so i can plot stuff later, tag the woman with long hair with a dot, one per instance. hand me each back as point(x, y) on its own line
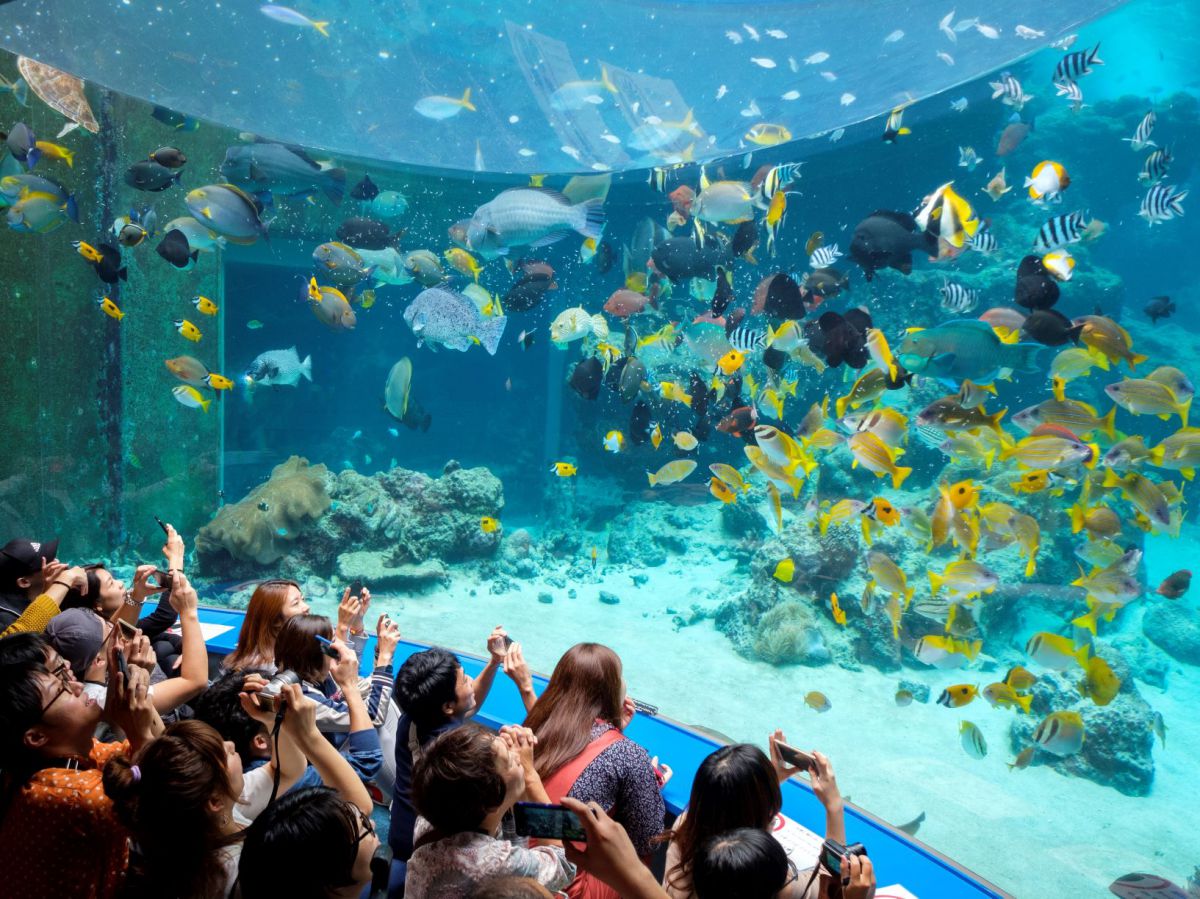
point(271, 605)
point(736, 787)
point(185, 799)
point(582, 752)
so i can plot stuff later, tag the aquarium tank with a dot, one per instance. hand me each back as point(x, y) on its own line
point(832, 362)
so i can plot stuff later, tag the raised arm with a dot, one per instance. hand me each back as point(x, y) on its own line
point(483, 683)
point(517, 668)
point(193, 667)
point(301, 724)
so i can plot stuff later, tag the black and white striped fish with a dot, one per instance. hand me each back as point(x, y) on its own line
point(823, 257)
point(1072, 91)
point(747, 340)
point(1075, 65)
point(1060, 231)
point(780, 178)
point(1141, 136)
point(1162, 203)
point(984, 241)
point(1008, 91)
point(956, 298)
point(1156, 165)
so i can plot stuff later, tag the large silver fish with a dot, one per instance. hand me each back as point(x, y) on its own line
point(529, 216)
point(278, 368)
point(281, 169)
point(229, 211)
point(440, 316)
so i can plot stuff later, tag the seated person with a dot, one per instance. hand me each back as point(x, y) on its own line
point(271, 605)
point(749, 863)
point(463, 785)
point(310, 823)
point(81, 635)
point(436, 696)
point(59, 835)
point(737, 786)
point(582, 752)
point(186, 791)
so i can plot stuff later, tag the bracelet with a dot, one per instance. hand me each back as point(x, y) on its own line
point(132, 603)
point(61, 584)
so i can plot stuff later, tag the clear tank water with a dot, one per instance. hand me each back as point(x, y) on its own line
point(98, 444)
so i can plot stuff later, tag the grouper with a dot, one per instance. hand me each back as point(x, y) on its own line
point(966, 350)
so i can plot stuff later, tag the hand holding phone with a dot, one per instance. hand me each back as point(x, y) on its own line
point(548, 822)
point(162, 524)
point(122, 665)
point(797, 758)
point(327, 647)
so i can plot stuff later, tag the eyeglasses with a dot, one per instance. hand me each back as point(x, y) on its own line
point(63, 673)
point(367, 824)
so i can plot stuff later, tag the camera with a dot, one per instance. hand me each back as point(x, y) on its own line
point(268, 696)
point(832, 852)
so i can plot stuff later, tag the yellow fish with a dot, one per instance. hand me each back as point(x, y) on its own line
point(729, 475)
point(767, 134)
point(1000, 695)
point(1029, 537)
point(770, 400)
point(870, 386)
point(965, 577)
point(188, 330)
point(664, 335)
point(218, 382)
point(1109, 340)
point(1055, 652)
point(1020, 678)
point(817, 701)
point(841, 511)
point(942, 651)
point(964, 494)
point(887, 574)
point(656, 435)
point(685, 441)
point(731, 361)
point(776, 506)
point(314, 290)
point(1099, 683)
point(564, 469)
point(876, 456)
point(672, 472)
point(463, 262)
point(191, 397)
point(1061, 733)
point(1032, 481)
point(774, 220)
point(784, 571)
point(957, 696)
point(720, 490)
point(839, 615)
point(56, 152)
point(205, 306)
point(614, 442)
point(109, 308)
point(672, 391)
point(488, 525)
point(87, 251)
point(881, 353)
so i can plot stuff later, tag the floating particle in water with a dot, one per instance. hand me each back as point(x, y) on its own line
point(763, 62)
point(525, 151)
point(282, 532)
point(393, 432)
point(513, 119)
point(791, 95)
point(848, 98)
point(829, 76)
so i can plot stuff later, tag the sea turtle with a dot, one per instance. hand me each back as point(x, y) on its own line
point(60, 91)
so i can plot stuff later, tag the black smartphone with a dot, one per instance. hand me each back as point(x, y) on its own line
point(356, 588)
point(162, 524)
point(508, 641)
point(548, 822)
point(122, 666)
point(797, 758)
point(327, 647)
point(165, 579)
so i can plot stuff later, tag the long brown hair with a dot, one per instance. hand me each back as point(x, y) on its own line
point(735, 786)
point(165, 806)
point(297, 649)
point(586, 685)
point(264, 618)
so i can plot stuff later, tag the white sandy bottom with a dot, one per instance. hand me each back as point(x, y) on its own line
point(1035, 833)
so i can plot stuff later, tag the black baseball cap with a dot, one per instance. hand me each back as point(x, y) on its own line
point(21, 558)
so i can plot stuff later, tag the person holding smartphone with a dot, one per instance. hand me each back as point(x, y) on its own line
point(738, 786)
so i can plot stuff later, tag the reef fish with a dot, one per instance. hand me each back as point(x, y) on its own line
point(449, 319)
point(282, 169)
point(526, 216)
point(965, 350)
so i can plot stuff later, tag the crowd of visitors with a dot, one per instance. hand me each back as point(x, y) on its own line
point(130, 767)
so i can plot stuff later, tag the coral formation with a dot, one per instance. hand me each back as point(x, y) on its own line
point(1173, 627)
point(263, 526)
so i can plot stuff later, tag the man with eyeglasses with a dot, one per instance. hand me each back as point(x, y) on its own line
point(59, 835)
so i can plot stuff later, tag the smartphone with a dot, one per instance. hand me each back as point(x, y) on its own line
point(356, 588)
point(327, 647)
point(122, 666)
point(165, 579)
point(645, 708)
point(162, 524)
point(797, 758)
point(508, 641)
point(548, 822)
point(128, 631)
